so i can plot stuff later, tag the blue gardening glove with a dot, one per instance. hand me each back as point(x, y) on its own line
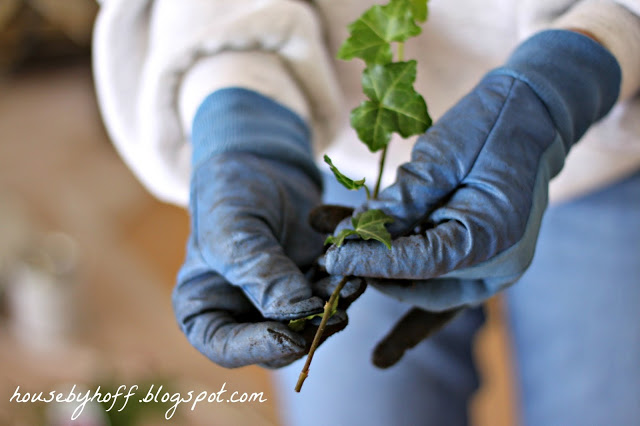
point(253, 185)
point(468, 205)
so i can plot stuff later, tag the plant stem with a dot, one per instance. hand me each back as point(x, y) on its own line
point(383, 157)
point(316, 339)
point(400, 51)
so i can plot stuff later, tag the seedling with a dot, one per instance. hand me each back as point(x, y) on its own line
point(392, 106)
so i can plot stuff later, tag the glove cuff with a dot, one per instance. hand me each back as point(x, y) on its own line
point(576, 77)
point(240, 120)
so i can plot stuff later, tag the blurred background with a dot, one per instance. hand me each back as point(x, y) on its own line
point(88, 258)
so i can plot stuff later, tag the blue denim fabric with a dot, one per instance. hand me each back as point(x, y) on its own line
point(575, 314)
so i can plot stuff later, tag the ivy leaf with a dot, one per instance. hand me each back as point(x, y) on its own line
point(297, 325)
point(345, 181)
point(367, 225)
point(372, 33)
point(338, 240)
point(419, 10)
point(393, 105)
point(370, 225)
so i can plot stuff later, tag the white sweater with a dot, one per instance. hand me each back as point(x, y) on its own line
point(155, 61)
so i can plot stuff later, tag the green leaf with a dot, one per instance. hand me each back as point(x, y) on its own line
point(298, 324)
point(367, 225)
point(419, 10)
point(345, 181)
point(338, 240)
point(370, 225)
point(393, 105)
point(372, 33)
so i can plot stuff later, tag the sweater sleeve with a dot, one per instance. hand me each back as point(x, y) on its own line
point(155, 60)
point(610, 150)
point(615, 23)
point(617, 26)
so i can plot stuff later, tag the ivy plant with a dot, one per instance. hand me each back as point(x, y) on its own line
point(392, 106)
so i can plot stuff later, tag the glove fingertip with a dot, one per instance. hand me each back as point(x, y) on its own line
point(352, 289)
point(338, 260)
point(386, 355)
point(338, 318)
point(335, 324)
point(287, 341)
point(415, 326)
point(293, 309)
point(326, 217)
point(280, 362)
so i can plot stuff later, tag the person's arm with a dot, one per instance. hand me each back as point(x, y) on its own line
point(150, 58)
point(468, 207)
point(220, 105)
point(578, 73)
point(610, 150)
point(615, 25)
point(465, 186)
point(477, 184)
point(249, 263)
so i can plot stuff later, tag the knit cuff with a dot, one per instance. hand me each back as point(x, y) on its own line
point(240, 120)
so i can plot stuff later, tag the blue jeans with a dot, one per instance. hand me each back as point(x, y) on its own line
point(575, 330)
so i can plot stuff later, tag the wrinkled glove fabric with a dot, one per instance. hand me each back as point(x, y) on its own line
point(469, 204)
point(253, 184)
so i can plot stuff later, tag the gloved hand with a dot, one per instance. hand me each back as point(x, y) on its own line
point(253, 184)
point(477, 183)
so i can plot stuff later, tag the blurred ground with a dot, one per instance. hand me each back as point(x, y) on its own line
point(59, 172)
point(57, 164)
